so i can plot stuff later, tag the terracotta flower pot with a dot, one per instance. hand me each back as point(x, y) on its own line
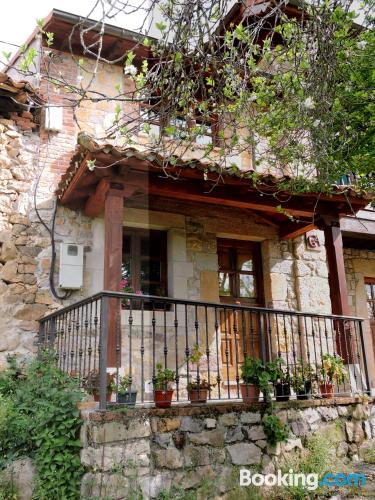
point(326, 391)
point(250, 393)
point(198, 395)
point(163, 399)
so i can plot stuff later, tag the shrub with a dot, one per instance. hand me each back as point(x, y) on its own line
point(39, 418)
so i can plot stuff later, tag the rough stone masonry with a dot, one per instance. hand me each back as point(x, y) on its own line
point(149, 451)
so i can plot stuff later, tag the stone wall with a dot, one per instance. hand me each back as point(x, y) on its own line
point(360, 264)
point(25, 245)
point(150, 451)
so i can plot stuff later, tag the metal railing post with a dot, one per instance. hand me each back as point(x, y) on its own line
point(262, 339)
point(41, 334)
point(103, 353)
point(52, 332)
point(360, 322)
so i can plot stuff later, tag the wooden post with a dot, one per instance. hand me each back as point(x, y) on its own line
point(336, 268)
point(338, 287)
point(113, 224)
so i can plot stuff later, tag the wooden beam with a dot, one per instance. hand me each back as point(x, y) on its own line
point(289, 230)
point(75, 182)
point(182, 191)
point(113, 223)
point(265, 219)
point(95, 204)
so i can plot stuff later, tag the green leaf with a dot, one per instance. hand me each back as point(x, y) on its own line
point(7, 55)
point(161, 26)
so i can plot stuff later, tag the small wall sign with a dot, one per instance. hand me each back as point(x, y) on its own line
point(312, 241)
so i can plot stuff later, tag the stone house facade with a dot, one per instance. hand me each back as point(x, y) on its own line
point(291, 273)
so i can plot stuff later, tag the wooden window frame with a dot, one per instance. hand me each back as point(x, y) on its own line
point(255, 248)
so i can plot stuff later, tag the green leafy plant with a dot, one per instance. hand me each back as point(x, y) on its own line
point(164, 378)
point(198, 383)
point(332, 370)
point(91, 383)
point(123, 386)
point(10, 379)
point(254, 371)
point(276, 372)
point(40, 419)
point(275, 430)
point(303, 373)
point(8, 490)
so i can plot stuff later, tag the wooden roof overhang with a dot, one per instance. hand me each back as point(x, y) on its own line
point(116, 41)
point(135, 172)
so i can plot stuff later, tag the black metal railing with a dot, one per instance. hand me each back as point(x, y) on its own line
point(112, 335)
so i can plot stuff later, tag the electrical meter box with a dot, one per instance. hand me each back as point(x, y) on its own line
point(71, 266)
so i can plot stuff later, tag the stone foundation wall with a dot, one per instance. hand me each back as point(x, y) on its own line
point(148, 451)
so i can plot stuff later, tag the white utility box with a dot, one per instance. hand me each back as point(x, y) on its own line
point(71, 266)
point(53, 118)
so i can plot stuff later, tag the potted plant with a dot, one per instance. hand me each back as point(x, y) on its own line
point(91, 383)
point(279, 378)
point(163, 392)
point(198, 388)
point(124, 393)
point(301, 381)
point(126, 288)
point(255, 379)
point(332, 372)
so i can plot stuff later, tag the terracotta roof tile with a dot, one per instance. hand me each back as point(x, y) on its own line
point(21, 92)
point(86, 144)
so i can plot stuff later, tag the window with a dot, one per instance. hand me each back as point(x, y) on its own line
point(204, 130)
point(240, 277)
point(144, 262)
point(370, 293)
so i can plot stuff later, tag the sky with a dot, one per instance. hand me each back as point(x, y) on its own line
point(18, 18)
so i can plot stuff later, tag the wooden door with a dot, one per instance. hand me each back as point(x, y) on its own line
point(240, 283)
point(370, 293)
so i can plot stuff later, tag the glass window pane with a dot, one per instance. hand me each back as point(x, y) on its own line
point(245, 262)
point(145, 245)
point(371, 309)
point(126, 269)
point(368, 291)
point(150, 270)
point(126, 261)
point(224, 285)
point(153, 289)
point(247, 285)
